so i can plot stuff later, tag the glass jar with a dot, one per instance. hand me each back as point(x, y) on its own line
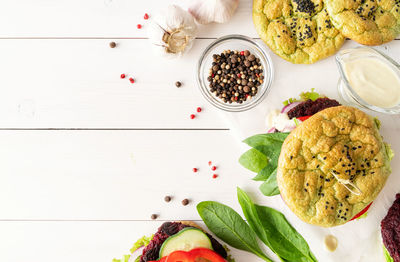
point(234, 42)
point(347, 92)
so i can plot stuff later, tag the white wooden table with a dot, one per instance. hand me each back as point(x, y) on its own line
point(85, 157)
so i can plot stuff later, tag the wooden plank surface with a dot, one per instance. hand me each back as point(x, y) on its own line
point(57, 83)
point(115, 175)
point(77, 241)
point(101, 18)
point(68, 193)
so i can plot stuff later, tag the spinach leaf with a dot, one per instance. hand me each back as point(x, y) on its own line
point(272, 152)
point(270, 186)
point(270, 146)
point(264, 174)
point(275, 231)
point(250, 212)
point(285, 237)
point(229, 226)
point(265, 139)
point(253, 160)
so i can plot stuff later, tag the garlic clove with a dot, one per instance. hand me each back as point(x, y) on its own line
point(172, 31)
point(155, 32)
point(208, 11)
point(180, 19)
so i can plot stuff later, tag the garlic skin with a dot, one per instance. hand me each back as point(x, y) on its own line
point(172, 31)
point(208, 11)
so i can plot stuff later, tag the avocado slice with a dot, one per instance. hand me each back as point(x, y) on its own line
point(185, 240)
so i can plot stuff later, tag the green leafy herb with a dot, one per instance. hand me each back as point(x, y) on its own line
point(143, 241)
point(388, 258)
point(270, 186)
point(304, 96)
point(296, 121)
point(125, 259)
point(265, 139)
point(377, 122)
point(289, 101)
point(275, 231)
point(229, 226)
point(310, 95)
point(263, 159)
point(253, 160)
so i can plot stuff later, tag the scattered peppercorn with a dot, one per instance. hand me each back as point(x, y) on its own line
point(209, 163)
point(185, 202)
point(167, 199)
point(139, 26)
point(192, 116)
point(113, 44)
point(178, 84)
point(195, 170)
point(154, 216)
point(123, 76)
point(215, 176)
point(146, 16)
point(213, 168)
point(235, 76)
point(132, 80)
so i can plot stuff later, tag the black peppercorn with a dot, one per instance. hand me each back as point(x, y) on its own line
point(167, 199)
point(185, 202)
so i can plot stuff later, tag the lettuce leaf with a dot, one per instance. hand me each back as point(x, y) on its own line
point(310, 95)
point(125, 259)
point(304, 96)
point(388, 258)
point(389, 151)
point(142, 242)
point(362, 216)
point(377, 122)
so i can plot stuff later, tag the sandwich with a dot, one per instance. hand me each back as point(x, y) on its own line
point(332, 166)
point(390, 230)
point(327, 161)
point(183, 241)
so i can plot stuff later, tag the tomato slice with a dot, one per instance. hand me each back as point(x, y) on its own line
point(195, 255)
point(205, 255)
point(362, 212)
point(179, 256)
point(303, 118)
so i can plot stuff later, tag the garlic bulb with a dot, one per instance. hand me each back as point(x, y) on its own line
point(207, 11)
point(172, 31)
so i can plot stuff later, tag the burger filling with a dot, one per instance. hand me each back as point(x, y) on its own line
point(310, 107)
point(390, 229)
point(296, 112)
point(152, 251)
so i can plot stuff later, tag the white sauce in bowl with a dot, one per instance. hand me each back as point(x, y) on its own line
point(374, 81)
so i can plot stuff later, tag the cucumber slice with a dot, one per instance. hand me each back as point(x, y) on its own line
point(185, 240)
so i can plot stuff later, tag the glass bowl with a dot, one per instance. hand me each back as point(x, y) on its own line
point(234, 42)
point(347, 93)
